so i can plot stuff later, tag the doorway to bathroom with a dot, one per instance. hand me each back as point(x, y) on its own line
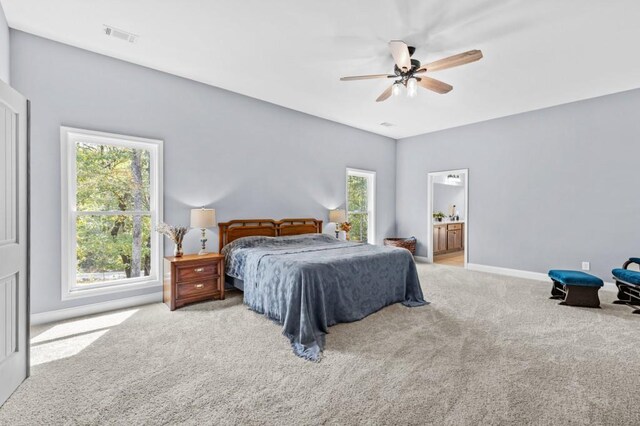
point(448, 219)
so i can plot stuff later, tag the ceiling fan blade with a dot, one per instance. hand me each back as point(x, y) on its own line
point(385, 95)
point(365, 77)
point(400, 53)
point(434, 85)
point(454, 61)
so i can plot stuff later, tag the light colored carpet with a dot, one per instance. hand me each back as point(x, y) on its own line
point(487, 350)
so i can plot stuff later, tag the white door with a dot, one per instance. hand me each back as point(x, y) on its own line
point(14, 275)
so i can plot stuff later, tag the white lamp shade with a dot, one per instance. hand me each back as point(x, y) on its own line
point(337, 215)
point(203, 218)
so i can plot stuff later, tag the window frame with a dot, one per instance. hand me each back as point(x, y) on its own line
point(69, 136)
point(370, 175)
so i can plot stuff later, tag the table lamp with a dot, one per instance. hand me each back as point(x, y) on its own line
point(337, 216)
point(203, 218)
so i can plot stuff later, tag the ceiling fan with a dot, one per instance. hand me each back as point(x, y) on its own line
point(409, 73)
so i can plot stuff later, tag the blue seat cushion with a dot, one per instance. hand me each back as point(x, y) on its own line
point(631, 277)
point(575, 278)
point(635, 260)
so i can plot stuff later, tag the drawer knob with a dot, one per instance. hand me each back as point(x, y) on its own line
point(199, 285)
point(198, 270)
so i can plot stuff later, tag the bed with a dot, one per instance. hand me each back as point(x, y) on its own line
point(307, 281)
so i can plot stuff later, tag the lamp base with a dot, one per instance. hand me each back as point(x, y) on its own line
point(203, 240)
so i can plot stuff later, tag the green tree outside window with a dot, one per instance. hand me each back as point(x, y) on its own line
point(113, 223)
point(357, 207)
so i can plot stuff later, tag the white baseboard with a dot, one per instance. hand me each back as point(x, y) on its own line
point(421, 258)
point(94, 308)
point(518, 273)
point(509, 272)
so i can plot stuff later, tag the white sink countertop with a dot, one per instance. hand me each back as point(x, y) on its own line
point(448, 222)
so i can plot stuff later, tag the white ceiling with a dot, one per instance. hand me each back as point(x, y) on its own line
point(292, 52)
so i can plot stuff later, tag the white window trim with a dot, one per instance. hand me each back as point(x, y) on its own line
point(68, 137)
point(371, 197)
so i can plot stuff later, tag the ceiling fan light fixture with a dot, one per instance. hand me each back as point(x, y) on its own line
point(397, 88)
point(405, 69)
point(412, 87)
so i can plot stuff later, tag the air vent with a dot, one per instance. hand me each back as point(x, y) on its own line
point(386, 124)
point(120, 34)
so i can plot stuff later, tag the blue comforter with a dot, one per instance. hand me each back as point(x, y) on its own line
point(310, 282)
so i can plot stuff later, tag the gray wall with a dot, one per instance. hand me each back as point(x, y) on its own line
point(244, 157)
point(4, 48)
point(547, 189)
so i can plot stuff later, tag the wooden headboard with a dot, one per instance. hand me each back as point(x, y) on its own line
point(239, 228)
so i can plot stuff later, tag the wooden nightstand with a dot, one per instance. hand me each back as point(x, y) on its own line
point(193, 278)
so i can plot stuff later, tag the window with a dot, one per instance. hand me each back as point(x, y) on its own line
point(361, 204)
point(112, 202)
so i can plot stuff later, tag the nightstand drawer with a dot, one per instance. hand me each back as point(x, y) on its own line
point(197, 288)
point(192, 278)
point(195, 272)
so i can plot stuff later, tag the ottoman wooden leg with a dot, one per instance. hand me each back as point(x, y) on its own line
point(582, 296)
point(556, 291)
point(623, 297)
point(626, 295)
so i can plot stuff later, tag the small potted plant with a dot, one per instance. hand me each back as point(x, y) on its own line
point(438, 216)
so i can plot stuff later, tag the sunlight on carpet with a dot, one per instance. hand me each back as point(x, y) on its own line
point(70, 338)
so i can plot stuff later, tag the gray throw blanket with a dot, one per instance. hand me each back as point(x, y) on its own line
point(310, 282)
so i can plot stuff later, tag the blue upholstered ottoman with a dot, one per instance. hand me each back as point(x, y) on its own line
point(628, 283)
point(575, 288)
